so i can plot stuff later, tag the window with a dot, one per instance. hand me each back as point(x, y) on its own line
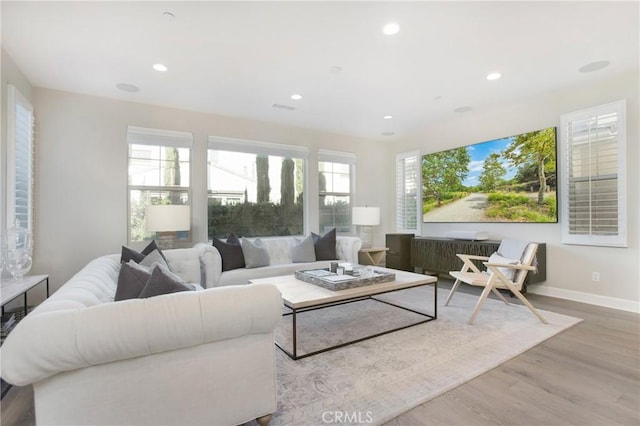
point(159, 173)
point(20, 126)
point(593, 178)
point(335, 189)
point(407, 193)
point(255, 188)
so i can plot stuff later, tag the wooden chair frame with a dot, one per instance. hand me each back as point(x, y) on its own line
point(470, 274)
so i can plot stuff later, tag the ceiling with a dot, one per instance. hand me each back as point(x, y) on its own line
point(238, 59)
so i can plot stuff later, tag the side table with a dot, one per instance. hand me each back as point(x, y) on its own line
point(11, 289)
point(372, 256)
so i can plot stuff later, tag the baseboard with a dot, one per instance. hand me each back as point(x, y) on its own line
point(592, 299)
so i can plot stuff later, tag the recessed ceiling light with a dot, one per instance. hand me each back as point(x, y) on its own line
point(388, 133)
point(335, 69)
point(494, 76)
point(388, 117)
point(296, 97)
point(594, 66)
point(126, 87)
point(391, 28)
point(160, 67)
point(437, 98)
point(168, 15)
point(463, 109)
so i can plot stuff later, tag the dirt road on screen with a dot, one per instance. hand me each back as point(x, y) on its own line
point(468, 209)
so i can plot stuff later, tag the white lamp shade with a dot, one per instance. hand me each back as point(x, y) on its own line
point(366, 216)
point(167, 218)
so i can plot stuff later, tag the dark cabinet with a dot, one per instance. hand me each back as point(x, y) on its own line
point(438, 255)
point(399, 254)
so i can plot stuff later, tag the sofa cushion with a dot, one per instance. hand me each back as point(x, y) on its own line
point(131, 254)
point(255, 254)
point(303, 250)
point(325, 246)
point(242, 276)
point(507, 272)
point(231, 252)
point(131, 280)
point(162, 281)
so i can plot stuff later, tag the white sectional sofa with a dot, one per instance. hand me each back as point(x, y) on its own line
point(279, 249)
point(189, 358)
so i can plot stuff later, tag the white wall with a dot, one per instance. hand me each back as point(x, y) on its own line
point(82, 172)
point(569, 266)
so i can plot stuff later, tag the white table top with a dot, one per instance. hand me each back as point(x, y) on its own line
point(10, 288)
point(299, 294)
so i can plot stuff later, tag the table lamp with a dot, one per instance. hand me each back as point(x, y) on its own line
point(167, 220)
point(366, 217)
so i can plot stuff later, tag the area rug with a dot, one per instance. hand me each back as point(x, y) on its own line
point(376, 380)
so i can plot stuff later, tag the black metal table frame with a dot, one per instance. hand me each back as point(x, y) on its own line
point(294, 312)
point(4, 385)
point(24, 295)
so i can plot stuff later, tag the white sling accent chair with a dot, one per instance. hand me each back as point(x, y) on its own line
point(504, 271)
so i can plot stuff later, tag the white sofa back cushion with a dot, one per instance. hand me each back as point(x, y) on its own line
point(185, 263)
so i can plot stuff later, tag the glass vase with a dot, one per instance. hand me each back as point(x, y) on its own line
point(17, 258)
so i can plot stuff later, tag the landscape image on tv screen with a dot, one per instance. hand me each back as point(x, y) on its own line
point(512, 179)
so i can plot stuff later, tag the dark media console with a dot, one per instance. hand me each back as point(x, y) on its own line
point(438, 255)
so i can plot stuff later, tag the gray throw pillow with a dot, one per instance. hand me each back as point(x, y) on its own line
point(131, 281)
point(162, 281)
point(303, 251)
point(325, 246)
point(154, 258)
point(255, 254)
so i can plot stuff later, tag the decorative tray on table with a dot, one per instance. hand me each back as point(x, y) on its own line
point(333, 281)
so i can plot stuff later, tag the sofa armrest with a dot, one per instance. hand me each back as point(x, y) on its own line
point(210, 264)
point(44, 344)
point(347, 248)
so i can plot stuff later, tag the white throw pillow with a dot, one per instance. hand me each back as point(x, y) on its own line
point(507, 272)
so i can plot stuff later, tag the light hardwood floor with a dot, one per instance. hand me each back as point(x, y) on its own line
point(588, 375)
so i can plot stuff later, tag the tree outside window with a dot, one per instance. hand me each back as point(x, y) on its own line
point(254, 194)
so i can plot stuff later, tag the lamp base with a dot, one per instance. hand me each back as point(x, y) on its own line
point(366, 235)
point(167, 240)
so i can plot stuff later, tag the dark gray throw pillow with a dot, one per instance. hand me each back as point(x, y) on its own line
point(325, 246)
point(131, 281)
point(231, 252)
point(131, 254)
point(162, 281)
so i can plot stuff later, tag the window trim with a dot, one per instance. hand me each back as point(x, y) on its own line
point(162, 138)
point(620, 240)
point(341, 157)
point(222, 143)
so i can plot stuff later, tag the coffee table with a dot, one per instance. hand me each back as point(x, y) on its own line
point(299, 296)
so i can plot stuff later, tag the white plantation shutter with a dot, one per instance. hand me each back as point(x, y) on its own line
point(407, 192)
point(593, 179)
point(20, 135)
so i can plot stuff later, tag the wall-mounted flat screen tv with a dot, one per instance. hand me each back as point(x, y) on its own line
point(512, 179)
